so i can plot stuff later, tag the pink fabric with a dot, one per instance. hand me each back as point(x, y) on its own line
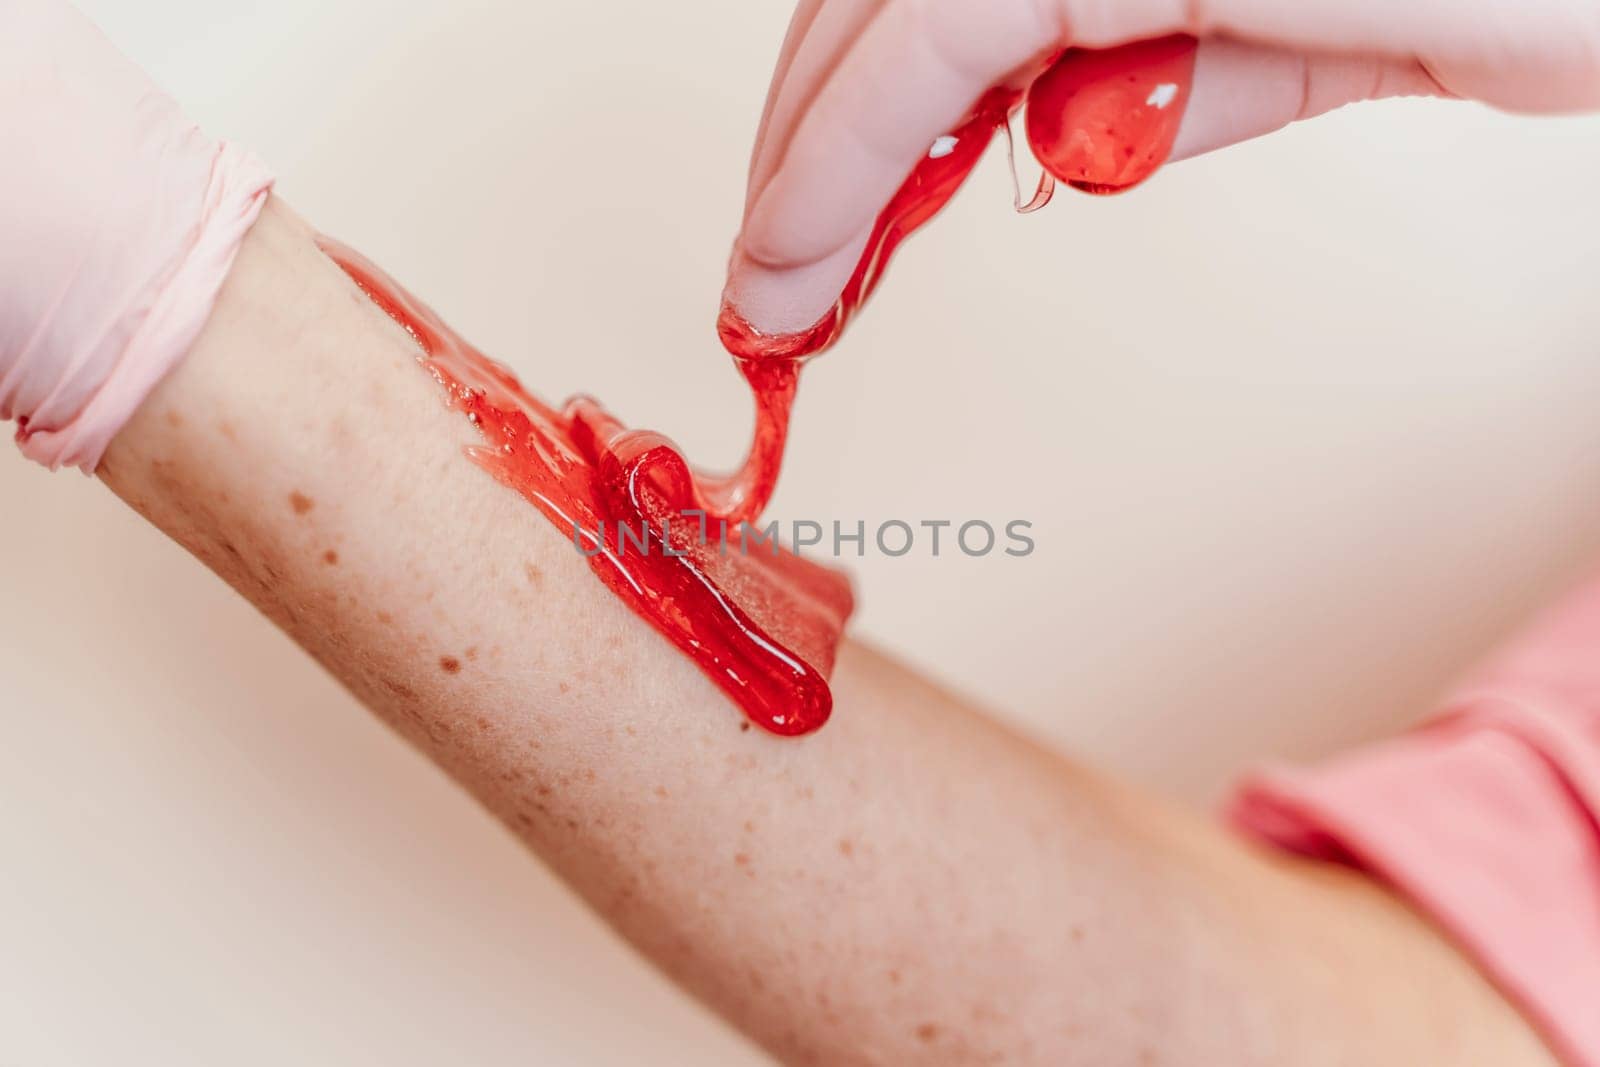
point(1488, 819)
point(119, 221)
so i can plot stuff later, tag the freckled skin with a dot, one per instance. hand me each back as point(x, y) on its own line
point(1025, 909)
point(765, 631)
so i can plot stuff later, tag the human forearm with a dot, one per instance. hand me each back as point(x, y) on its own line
point(911, 881)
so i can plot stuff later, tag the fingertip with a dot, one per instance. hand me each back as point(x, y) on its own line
point(779, 300)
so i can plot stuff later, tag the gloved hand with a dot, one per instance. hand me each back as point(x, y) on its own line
point(119, 221)
point(864, 87)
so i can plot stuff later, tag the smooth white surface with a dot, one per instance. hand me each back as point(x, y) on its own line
point(1300, 428)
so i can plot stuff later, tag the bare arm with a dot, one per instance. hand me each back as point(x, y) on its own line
point(912, 882)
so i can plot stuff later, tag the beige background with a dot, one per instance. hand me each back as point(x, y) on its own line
point(1301, 428)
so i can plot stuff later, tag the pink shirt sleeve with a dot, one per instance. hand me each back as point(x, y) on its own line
point(1486, 818)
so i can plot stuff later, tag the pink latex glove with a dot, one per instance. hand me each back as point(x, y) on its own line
point(119, 221)
point(863, 88)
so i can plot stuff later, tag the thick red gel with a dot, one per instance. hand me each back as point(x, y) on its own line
point(932, 184)
point(766, 625)
point(763, 623)
point(772, 362)
point(1104, 121)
